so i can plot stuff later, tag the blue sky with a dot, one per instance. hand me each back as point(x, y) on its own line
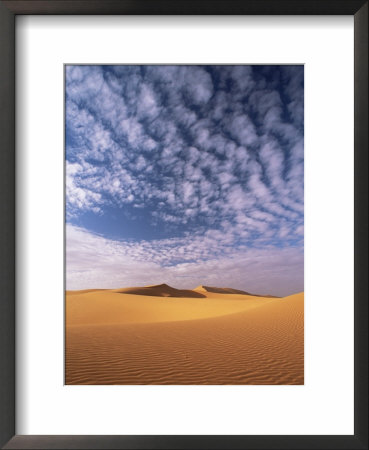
point(186, 175)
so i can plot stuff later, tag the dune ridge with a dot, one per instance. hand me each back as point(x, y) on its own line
point(218, 290)
point(226, 290)
point(160, 290)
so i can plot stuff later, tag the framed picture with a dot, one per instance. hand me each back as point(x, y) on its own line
point(175, 177)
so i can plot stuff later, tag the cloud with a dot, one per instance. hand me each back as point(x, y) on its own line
point(117, 115)
point(79, 198)
point(94, 261)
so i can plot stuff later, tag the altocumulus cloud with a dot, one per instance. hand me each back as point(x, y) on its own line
point(185, 174)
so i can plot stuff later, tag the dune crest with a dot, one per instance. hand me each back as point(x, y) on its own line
point(218, 290)
point(226, 290)
point(160, 290)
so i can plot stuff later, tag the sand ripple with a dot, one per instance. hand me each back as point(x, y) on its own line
point(263, 345)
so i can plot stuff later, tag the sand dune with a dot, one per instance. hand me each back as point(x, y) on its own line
point(115, 307)
point(219, 290)
point(116, 337)
point(84, 291)
point(160, 290)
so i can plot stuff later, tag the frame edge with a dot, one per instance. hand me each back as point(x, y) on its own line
point(7, 224)
point(361, 223)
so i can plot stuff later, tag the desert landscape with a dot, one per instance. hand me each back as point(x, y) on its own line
point(161, 335)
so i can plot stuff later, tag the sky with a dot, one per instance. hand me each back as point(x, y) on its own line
point(185, 175)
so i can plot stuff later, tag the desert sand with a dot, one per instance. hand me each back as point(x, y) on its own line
point(162, 335)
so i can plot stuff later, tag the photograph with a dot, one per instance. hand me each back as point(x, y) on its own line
point(184, 224)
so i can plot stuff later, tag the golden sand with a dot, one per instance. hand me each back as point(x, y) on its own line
point(122, 337)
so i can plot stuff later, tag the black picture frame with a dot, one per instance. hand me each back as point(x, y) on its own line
point(8, 12)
